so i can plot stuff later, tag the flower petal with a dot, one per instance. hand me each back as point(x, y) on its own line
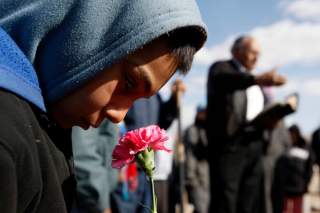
point(136, 141)
point(121, 156)
point(159, 145)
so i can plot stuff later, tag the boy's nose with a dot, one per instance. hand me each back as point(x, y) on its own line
point(116, 115)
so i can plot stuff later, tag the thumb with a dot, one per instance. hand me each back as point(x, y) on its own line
point(273, 71)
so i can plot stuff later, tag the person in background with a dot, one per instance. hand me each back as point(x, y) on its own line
point(279, 143)
point(74, 63)
point(154, 110)
point(96, 179)
point(292, 175)
point(315, 145)
point(234, 98)
point(197, 166)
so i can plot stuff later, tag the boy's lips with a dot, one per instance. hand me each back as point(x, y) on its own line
point(84, 124)
point(94, 124)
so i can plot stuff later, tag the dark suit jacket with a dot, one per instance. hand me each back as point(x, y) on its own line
point(227, 104)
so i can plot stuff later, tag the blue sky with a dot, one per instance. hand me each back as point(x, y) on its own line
point(227, 17)
point(289, 33)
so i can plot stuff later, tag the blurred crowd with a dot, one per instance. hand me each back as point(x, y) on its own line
point(235, 159)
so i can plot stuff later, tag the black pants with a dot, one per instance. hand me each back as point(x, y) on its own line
point(236, 180)
point(161, 188)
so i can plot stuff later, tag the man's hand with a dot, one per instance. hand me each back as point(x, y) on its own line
point(292, 100)
point(178, 87)
point(108, 210)
point(270, 78)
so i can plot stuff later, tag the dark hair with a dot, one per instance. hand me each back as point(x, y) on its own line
point(295, 130)
point(185, 42)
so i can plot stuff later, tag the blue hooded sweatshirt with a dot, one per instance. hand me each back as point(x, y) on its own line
point(70, 41)
point(16, 72)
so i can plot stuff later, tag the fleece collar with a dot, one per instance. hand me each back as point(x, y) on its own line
point(17, 73)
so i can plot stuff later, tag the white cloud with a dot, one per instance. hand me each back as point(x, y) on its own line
point(195, 95)
point(312, 87)
point(221, 51)
point(305, 87)
point(188, 113)
point(287, 43)
point(283, 43)
point(290, 86)
point(303, 9)
point(196, 84)
point(308, 115)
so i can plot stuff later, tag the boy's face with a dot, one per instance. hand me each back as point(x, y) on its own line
point(111, 93)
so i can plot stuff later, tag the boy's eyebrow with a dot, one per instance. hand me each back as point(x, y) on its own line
point(143, 74)
point(145, 78)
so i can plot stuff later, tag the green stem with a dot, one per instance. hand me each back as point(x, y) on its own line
point(154, 199)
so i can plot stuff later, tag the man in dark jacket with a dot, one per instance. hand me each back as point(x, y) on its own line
point(234, 98)
point(93, 59)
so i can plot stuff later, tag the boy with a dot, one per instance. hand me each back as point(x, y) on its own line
point(92, 58)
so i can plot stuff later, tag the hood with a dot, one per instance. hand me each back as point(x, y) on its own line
point(70, 41)
point(17, 73)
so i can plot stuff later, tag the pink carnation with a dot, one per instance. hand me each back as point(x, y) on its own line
point(136, 141)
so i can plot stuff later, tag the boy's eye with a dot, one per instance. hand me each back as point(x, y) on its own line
point(129, 83)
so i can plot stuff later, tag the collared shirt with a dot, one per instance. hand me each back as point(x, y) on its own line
point(255, 98)
point(255, 102)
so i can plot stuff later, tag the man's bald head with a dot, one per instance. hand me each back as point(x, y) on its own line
point(246, 50)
